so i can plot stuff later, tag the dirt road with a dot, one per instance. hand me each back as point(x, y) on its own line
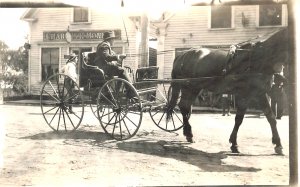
point(33, 155)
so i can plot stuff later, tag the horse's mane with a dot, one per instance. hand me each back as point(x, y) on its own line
point(263, 51)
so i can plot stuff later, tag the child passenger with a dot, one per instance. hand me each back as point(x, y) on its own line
point(70, 70)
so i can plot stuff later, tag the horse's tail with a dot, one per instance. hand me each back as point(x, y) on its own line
point(173, 96)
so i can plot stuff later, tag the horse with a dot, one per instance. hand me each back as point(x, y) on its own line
point(245, 70)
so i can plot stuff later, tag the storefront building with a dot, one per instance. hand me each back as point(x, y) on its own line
point(55, 32)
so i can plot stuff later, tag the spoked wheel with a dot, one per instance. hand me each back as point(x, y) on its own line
point(93, 98)
point(119, 109)
point(61, 103)
point(158, 112)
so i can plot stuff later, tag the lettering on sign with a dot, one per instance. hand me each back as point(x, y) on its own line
point(55, 36)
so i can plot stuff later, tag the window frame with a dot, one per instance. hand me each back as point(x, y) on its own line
point(258, 17)
point(80, 22)
point(284, 20)
point(41, 61)
point(232, 25)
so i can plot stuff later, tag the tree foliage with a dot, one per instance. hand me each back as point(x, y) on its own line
point(14, 68)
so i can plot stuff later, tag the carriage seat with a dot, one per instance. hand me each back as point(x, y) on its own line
point(88, 59)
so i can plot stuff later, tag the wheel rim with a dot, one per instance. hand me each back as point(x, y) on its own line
point(119, 116)
point(158, 112)
point(62, 105)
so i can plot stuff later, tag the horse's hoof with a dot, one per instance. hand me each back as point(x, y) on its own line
point(234, 149)
point(190, 139)
point(278, 150)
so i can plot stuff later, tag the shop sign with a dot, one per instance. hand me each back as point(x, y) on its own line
point(58, 36)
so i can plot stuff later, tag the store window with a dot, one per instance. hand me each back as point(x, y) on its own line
point(50, 62)
point(81, 15)
point(220, 17)
point(270, 15)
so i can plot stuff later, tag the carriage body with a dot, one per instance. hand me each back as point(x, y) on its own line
point(63, 100)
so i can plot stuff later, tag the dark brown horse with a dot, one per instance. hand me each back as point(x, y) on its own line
point(245, 71)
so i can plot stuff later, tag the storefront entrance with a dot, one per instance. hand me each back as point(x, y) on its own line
point(80, 70)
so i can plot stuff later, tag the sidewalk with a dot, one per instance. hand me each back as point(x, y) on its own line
point(33, 102)
point(23, 102)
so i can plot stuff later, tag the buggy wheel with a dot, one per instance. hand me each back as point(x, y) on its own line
point(158, 112)
point(61, 103)
point(119, 116)
point(93, 102)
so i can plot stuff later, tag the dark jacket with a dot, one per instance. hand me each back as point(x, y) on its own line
point(105, 56)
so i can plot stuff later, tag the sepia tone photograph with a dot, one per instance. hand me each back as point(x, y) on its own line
point(148, 93)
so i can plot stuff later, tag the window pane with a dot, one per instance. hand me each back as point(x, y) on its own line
point(80, 14)
point(50, 61)
point(270, 15)
point(221, 17)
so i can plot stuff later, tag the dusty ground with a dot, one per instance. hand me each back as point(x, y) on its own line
point(33, 155)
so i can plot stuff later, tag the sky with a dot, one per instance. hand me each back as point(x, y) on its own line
point(13, 30)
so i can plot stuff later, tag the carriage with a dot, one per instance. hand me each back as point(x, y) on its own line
point(63, 100)
point(246, 72)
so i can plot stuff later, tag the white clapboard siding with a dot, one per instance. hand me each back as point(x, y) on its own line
point(190, 28)
point(60, 19)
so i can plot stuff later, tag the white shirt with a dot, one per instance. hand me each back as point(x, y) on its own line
point(70, 70)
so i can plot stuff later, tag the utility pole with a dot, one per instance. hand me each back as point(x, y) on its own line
point(144, 41)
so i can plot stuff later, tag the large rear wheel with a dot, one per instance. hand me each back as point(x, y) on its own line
point(119, 109)
point(61, 103)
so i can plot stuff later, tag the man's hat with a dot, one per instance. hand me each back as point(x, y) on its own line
point(108, 35)
point(72, 56)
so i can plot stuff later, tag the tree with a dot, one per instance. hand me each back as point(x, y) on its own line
point(13, 74)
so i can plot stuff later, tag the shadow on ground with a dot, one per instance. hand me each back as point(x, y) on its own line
point(211, 162)
point(73, 135)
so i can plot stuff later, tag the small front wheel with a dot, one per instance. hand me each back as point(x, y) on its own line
point(61, 103)
point(159, 112)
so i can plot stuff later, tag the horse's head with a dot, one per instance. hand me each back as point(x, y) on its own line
point(270, 54)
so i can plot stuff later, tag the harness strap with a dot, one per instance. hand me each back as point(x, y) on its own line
point(230, 56)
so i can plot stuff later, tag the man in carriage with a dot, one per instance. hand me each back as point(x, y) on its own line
point(107, 60)
point(110, 62)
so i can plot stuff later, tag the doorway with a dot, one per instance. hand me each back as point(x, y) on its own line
point(81, 72)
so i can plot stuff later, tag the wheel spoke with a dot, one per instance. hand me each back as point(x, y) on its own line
point(110, 120)
point(53, 89)
point(111, 94)
point(52, 96)
point(59, 119)
point(107, 113)
point(126, 126)
point(161, 118)
point(63, 114)
point(54, 115)
point(108, 100)
point(120, 126)
point(50, 110)
point(178, 116)
point(130, 121)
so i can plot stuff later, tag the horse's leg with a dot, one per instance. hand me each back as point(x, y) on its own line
point(185, 105)
point(240, 113)
point(265, 105)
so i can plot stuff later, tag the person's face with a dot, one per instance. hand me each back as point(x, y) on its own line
point(111, 42)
